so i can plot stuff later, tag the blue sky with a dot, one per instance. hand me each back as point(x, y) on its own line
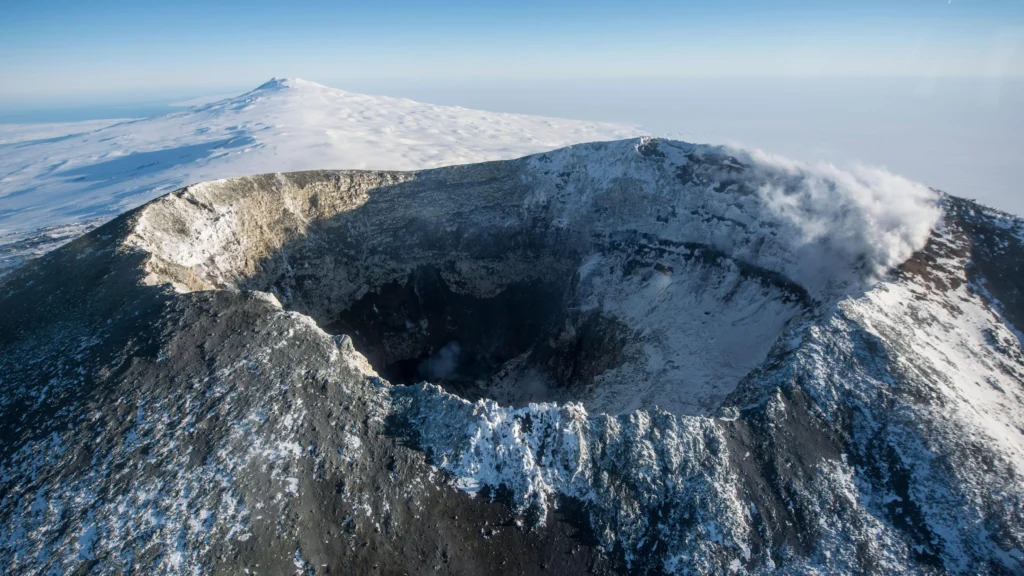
point(102, 49)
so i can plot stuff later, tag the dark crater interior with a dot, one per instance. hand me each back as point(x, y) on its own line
point(524, 344)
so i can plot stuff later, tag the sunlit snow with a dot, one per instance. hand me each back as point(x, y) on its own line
point(59, 174)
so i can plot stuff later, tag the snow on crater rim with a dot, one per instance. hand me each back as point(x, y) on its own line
point(819, 225)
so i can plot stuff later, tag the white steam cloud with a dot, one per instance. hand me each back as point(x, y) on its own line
point(864, 216)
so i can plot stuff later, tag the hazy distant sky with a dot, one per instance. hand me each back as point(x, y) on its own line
point(83, 49)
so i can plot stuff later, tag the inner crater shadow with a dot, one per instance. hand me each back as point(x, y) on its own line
point(421, 330)
point(524, 344)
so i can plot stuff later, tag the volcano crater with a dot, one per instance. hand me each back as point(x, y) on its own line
point(489, 284)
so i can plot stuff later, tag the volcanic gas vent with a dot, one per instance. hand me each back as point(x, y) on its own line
point(606, 274)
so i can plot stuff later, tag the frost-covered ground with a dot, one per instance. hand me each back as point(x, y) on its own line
point(50, 177)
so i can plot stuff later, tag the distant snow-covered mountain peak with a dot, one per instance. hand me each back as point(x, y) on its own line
point(286, 124)
point(281, 83)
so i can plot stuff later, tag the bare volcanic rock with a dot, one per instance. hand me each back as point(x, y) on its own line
point(641, 356)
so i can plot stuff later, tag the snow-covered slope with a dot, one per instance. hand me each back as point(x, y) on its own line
point(284, 125)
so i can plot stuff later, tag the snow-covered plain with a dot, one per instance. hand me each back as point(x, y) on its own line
point(63, 174)
point(27, 134)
